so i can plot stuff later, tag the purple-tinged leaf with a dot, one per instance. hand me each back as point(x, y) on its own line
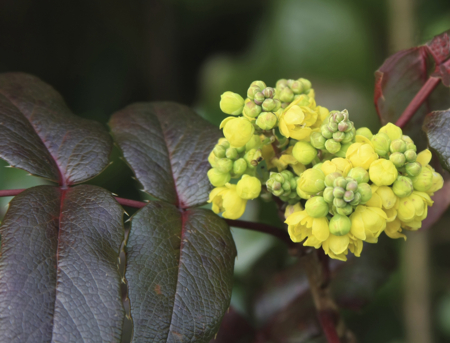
point(179, 273)
point(167, 146)
point(59, 280)
point(437, 129)
point(38, 133)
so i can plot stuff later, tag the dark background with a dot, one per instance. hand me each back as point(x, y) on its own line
point(102, 55)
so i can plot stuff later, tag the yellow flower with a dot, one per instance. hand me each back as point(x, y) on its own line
point(226, 200)
point(413, 209)
point(437, 183)
point(368, 223)
point(361, 154)
point(339, 164)
point(292, 209)
point(238, 131)
point(248, 187)
point(383, 172)
point(231, 103)
point(394, 229)
point(304, 152)
point(217, 178)
point(382, 197)
point(311, 182)
point(286, 159)
point(337, 246)
point(393, 131)
point(295, 121)
point(301, 225)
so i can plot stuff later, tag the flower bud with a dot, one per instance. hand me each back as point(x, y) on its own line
point(224, 165)
point(251, 92)
point(410, 155)
point(332, 146)
point(359, 174)
point(217, 178)
point(304, 152)
point(329, 179)
point(266, 121)
point(424, 180)
point(328, 194)
point(253, 143)
point(361, 155)
point(251, 109)
point(306, 84)
point(239, 167)
point(297, 87)
point(403, 187)
point(338, 117)
point(332, 126)
point(259, 98)
point(268, 105)
point(282, 83)
point(438, 183)
point(340, 225)
point(381, 143)
point(231, 153)
point(352, 186)
point(364, 131)
point(339, 203)
point(343, 126)
point(224, 142)
point(286, 95)
point(338, 136)
point(212, 159)
point(248, 187)
point(407, 139)
point(219, 151)
point(340, 182)
point(356, 200)
point(231, 103)
point(398, 146)
point(413, 169)
point(393, 131)
point(411, 146)
point(366, 192)
point(349, 136)
point(238, 131)
point(345, 211)
point(317, 140)
point(398, 159)
point(268, 92)
point(349, 196)
point(316, 207)
point(383, 172)
point(311, 182)
point(260, 84)
point(325, 132)
point(338, 192)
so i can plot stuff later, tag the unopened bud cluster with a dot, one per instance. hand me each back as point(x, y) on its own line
point(342, 186)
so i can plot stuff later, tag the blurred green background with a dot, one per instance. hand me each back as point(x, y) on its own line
point(102, 55)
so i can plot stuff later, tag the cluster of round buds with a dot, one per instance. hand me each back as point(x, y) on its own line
point(336, 132)
point(261, 105)
point(289, 90)
point(283, 185)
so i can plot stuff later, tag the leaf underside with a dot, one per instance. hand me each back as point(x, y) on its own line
point(437, 128)
point(167, 146)
point(59, 280)
point(179, 272)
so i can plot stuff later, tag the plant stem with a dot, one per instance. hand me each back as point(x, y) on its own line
point(130, 203)
point(418, 100)
point(10, 192)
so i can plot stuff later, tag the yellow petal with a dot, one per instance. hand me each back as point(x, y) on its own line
point(320, 229)
point(424, 157)
point(338, 244)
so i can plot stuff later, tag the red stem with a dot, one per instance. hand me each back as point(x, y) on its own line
point(328, 326)
point(10, 192)
point(418, 100)
point(130, 203)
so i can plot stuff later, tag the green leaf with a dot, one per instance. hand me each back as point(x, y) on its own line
point(41, 135)
point(167, 146)
point(59, 279)
point(179, 273)
point(437, 129)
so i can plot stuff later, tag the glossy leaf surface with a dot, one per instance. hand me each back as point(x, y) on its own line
point(59, 280)
point(179, 272)
point(167, 146)
point(41, 135)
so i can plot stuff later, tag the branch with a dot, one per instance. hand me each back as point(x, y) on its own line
point(271, 230)
point(10, 192)
point(418, 100)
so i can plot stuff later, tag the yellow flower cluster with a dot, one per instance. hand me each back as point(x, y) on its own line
point(341, 186)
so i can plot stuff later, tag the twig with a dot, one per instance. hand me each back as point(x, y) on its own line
point(10, 192)
point(418, 100)
point(130, 203)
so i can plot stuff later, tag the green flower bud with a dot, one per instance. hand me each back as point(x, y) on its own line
point(268, 105)
point(286, 95)
point(398, 145)
point(343, 126)
point(403, 187)
point(282, 83)
point(253, 143)
point(248, 187)
point(349, 196)
point(266, 121)
point(339, 136)
point(343, 151)
point(424, 180)
point(251, 109)
point(316, 207)
point(268, 92)
point(311, 182)
point(317, 140)
point(332, 126)
point(304, 152)
point(349, 136)
point(224, 165)
point(273, 185)
point(381, 143)
point(260, 84)
point(411, 146)
point(332, 146)
point(339, 203)
point(413, 169)
point(356, 200)
point(251, 92)
point(340, 182)
point(239, 167)
point(277, 105)
point(359, 174)
point(365, 191)
point(219, 151)
point(398, 159)
point(338, 117)
point(231, 153)
point(297, 87)
point(345, 211)
point(224, 142)
point(340, 225)
point(306, 84)
point(352, 186)
point(407, 139)
point(259, 98)
point(217, 178)
point(338, 192)
point(277, 177)
point(328, 194)
point(364, 131)
point(253, 157)
point(231, 103)
point(329, 179)
point(325, 132)
point(410, 155)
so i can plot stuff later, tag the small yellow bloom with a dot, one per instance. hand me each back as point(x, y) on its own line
point(301, 225)
point(311, 182)
point(413, 209)
point(226, 200)
point(383, 172)
point(217, 178)
point(238, 131)
point(337, 246)
point(304, 152)
point(437, 183)
point(231, 103)
point(341, 165)
point(292, 209)
point(248, 187)
point(382, 197)
point(368, 223)
point(361, 155)
point(394, 229)
point(393, 131)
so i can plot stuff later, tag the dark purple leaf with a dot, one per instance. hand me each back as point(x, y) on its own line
point(437, 129)
point(59, 279)
point(179, 272)
point(41, 135)
point(167, 146)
